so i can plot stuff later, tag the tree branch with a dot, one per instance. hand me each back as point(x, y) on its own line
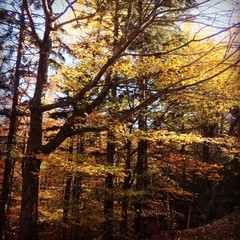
point(158, 54)
point(67, 129)
point(127, 114)
point(65, 10)
point(57, 26)
point(32, 26)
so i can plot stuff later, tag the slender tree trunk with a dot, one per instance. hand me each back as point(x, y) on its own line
point(77, 189)
point(75, 211)
point(189, 216)
point(109, 186)
point(141, 170)
point(169, 213)
point(109, 196)
point(126, 187)
point(9, 162)
point(66, 199)
point(141, 185)
point(234, 130)
point(208, 131)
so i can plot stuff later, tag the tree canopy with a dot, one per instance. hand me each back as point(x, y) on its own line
point(118, 115)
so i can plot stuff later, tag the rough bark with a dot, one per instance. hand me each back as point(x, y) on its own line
point(31, 164)
point(9, 161)
point(29, 204)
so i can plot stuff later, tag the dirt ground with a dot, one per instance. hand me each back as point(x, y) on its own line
point(227, 228)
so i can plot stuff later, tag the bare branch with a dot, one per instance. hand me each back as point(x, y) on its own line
point(65, 10)
point(32, 26)
point(57, 26)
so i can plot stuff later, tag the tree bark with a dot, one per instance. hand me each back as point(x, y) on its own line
point(9, 162)
point(126, 187)
point(141, 171)
point(29, 204)
point(141, 184)
point(208, 131)
point(75, 210)
point(77, 189)
point(109, 196)
point(66, 199)
point(31, 164)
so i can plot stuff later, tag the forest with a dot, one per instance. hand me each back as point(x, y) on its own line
point(119, 119)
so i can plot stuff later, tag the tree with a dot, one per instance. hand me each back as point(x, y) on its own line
point(106, 61)
point(9, 162)
point(31, 164)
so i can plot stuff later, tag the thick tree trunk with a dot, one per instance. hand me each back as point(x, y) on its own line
point(30, 174)
point(9, 162)
point(29, 204)
point(31, 164)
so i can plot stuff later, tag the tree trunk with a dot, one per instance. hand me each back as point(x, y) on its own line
point(9, 162)
point(126, 186)
point(189, 216)
point(108, 198)
point(141, 170)
point(141, 185)
point(208, 131)
point(77, 188)
point(234, 130)
point(29, 204)
point(31, 164)
point(75, 210)
point(109, 188)
point(66, 199)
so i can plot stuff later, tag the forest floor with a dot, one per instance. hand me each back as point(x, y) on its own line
point(227, 228)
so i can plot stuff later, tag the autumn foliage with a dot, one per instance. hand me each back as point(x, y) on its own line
point(119, 120)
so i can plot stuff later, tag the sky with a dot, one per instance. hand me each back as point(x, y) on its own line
point(219, 13)
point(213, 15)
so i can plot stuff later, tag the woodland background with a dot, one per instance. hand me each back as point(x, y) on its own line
point(119, 119)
